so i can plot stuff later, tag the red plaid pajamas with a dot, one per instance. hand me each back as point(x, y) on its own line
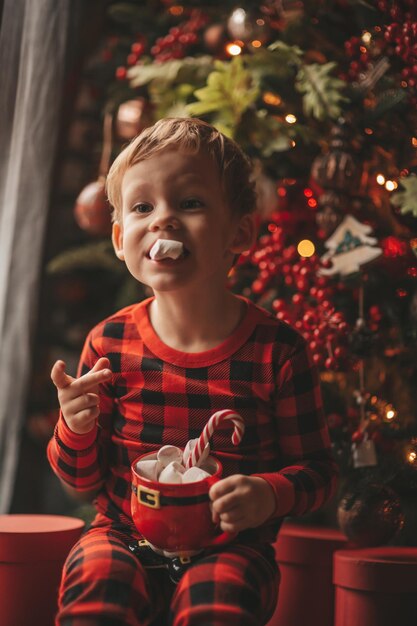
point(105, 584)
point(160, 396)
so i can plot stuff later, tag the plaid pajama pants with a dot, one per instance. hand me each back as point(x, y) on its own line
point(104, 584)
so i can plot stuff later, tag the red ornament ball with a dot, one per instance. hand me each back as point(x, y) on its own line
point(371, 516)
point(92, 211)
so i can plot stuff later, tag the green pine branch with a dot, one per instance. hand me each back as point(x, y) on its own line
point(407, 200)
point(229, 92)
point(322, 93)
point(96, 255)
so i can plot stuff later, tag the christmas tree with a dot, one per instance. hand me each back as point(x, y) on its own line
point(322, 96)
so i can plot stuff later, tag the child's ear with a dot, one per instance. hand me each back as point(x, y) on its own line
point(245, 234)
point(117, 239)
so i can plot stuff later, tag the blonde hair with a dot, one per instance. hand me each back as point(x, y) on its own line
point(191, 136)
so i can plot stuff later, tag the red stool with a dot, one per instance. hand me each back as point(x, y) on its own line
point(33, 549)
point(305, 556)
point(376, 586)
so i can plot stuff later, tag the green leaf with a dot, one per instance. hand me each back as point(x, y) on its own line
point(278, 60)
point(229, 92)
point(190, 69)
point(267, 134)
point(407, 200)
point(322, 92)
point(285, 53)
point(125, 12)
point(388, 100)
point(97, 255)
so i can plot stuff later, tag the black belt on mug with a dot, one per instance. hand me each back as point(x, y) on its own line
point(155, 499)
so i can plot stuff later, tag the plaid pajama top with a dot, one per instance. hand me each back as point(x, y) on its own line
point(159, 395)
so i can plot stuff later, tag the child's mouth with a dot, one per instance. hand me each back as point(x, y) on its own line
point(164, 250)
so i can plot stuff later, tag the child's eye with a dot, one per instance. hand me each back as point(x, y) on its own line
point(142, 207)
point(191, 203)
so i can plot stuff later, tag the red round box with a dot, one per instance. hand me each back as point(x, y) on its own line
point(33, 549)
point(305, 557)
point(376, 586)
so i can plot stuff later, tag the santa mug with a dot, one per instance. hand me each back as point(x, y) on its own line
point(176, 518)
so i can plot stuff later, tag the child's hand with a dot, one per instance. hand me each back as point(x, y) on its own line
point(240, 502)
point(78, 397)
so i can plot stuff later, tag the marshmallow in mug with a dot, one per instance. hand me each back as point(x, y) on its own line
point(166, 248)
point(169, 466)
point(149, 469)
point(194, 474)
point(169, 454)
point(172, 473)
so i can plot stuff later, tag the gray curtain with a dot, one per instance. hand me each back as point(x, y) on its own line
point(33, 40)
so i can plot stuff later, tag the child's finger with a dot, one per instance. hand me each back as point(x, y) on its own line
point(102, 363)
point(90, 381)
point(84, 421)
point(59, 376)
point(222, 487)
point(226, 503)
point(81, 403)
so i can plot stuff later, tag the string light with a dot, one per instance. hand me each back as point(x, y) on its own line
point(390, 413)
point(411, 457)
point(233, 49)
point(290, 118)
point(306, 248)
point(380, 179)
point(411, 452)
point(390, 185)
point(256, 43)
point(177, 9)
point(271, 98)
point(414, 142)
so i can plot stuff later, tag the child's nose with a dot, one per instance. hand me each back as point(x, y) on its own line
point(164, 217)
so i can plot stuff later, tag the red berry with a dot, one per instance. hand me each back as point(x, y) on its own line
point(330, 363)
point(121, 73)
point(357, 436)
point(298, 299)
point(138, 48)
point(258, 286)
point(279, 305)
point(302, 285)
point(132, 58)
point(340, 352)
point(317, 359)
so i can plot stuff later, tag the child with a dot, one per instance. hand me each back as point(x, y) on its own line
point(153, 374)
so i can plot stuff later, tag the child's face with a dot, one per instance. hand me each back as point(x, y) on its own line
point(174, 195)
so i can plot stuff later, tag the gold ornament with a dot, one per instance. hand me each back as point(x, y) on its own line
point(131, 118)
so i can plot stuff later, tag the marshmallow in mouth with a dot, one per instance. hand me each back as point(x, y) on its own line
point(166, 249)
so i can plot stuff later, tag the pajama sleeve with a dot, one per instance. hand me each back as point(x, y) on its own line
point(81, 461)
point(308, 476)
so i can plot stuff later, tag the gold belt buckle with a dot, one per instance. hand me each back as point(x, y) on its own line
point(149, 497)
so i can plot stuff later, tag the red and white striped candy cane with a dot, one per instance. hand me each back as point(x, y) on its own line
point(210, 427)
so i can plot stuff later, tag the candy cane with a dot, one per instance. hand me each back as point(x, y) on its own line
point(210, 427)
